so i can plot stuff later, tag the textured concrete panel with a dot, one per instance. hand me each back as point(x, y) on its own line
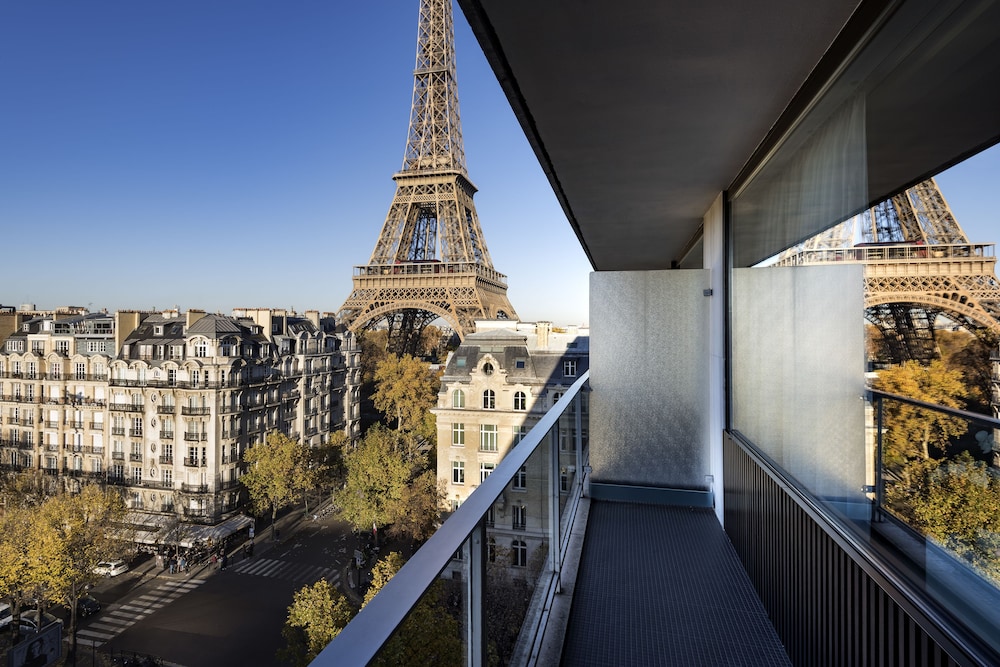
point(648, 372)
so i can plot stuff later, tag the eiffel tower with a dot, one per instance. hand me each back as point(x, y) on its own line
point(919, 264)
point(430, 260)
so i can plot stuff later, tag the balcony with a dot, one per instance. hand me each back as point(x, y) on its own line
point(50, 424)
point(118, 456)
point(195, 437)
point(194, 488)
point(117, 430)
point(166, 460)
point(195, 462)
point(642, 539)
point(135, 457)
point(166, 435)
point(196, 410)
point(97, 426)
point(126, 407)
point(135, 432)
point(165, 409)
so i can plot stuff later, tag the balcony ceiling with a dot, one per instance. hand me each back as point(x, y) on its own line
point(641, 112)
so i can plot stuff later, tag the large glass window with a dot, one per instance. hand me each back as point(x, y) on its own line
point(458, 399)
point(520, 401)
point(458, 472)
point(458, 435)
point(489, 399)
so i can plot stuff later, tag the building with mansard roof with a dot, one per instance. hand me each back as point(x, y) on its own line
point(496, 386)
point(165, 404)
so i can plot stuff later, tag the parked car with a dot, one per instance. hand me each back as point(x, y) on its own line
point(30, 621)
point(5, 614)
point(87, 605)
point(111, 568)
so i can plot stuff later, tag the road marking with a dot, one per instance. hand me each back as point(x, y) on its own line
point(124, 616)
point(269, 567)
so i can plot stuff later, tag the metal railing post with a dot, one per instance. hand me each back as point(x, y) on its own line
point(476, 598)
point(554, 518)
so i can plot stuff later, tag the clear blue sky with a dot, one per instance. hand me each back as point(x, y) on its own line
point(240, 153)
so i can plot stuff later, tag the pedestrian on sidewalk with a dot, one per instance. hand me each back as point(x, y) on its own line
point(225, 561)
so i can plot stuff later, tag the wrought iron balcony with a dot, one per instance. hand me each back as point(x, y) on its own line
point(194, 488)
point(166, 435)
point(117, 430)
point(195, 437)
point(196, 410)
point(195, 462)
point(126, 407)
point(166, 460)
point(135, 457)
point(166, 409)
point(135, 432)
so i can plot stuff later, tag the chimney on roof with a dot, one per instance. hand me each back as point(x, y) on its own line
point(542, 331)
point(193, 316)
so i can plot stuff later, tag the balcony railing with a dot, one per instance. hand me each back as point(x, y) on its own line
point(465, 533)
point(126, 407)
point(165, 409)
point(194, 488)
point(118, 456)
point(166, 459)
point(135, 432)
point(135, 457)
point(195, 462)
point(196, 437)
point(196, 410)
point(117, 430)
point(931, 503)
point(166, 435)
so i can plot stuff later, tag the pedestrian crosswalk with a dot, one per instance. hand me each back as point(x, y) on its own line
point(280, 569)
point(118, 618)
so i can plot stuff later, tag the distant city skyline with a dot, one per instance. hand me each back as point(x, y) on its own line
point(240, 154)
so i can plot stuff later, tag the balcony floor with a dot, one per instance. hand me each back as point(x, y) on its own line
point(662, 585)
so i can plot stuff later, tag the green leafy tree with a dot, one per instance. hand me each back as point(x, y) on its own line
point(406, 389)
point(912, 431)
point(15, 577)
point(428, 635)
point(376, 477)
point(274, 474)
point(956, 502)
point(419, 508)
point(70, 535)
point(374, 345)
point(318, 613)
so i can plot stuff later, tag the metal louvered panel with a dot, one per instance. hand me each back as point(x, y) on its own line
point(827, 601)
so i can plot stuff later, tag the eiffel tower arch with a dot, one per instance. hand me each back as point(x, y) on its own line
point(430, 260)
point(919, 265)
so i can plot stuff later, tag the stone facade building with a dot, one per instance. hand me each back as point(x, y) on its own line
point(495, 387)
point(165, 404)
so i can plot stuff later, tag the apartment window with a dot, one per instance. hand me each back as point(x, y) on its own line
point(491, 517)
point(168, 477)
point(484, 470)
point(201, 349)
point(519, 517)
point(458, 472)
point(458, 435)
point(32, 370)
point(489, 400)
point(195, 378)
point(569, 368)
point(38, 347)
point(518, 553)
point(519, 363)
point(564, 481)
point(488, 437)
point(176, 351)
point(520, 401)
point(172, 377)
point(136, 474)
point(80, 371)
point(518, 434)
point(520, 482)
point(168, 451)
point(96, 465)
point(62, 346)
point(458, 399)
point(491, 550)
point(29, 392)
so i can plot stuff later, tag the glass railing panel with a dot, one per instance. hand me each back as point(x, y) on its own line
point(490, 568)
point(936, 499)
point(435, 631)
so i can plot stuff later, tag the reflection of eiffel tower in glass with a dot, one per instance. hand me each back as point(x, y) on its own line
point(430, 260)
point(919, 264)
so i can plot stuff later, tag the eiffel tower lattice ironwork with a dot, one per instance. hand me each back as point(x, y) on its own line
point(919, 264)
point(430, 259)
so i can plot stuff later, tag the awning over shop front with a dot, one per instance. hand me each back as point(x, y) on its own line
point(168, 530)
point(191, 534)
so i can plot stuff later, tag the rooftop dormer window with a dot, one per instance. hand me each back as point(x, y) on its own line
point(487, 368)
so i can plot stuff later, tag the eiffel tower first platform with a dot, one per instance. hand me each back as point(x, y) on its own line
point(430, 260)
